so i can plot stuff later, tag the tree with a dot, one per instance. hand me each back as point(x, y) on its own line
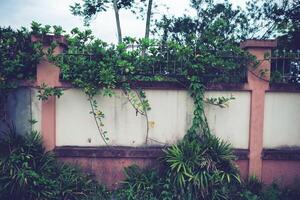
point(213, 25)
point(117, 21)
point(90, 8)
point(149, 13)
point(284, 17)
point(261, 19)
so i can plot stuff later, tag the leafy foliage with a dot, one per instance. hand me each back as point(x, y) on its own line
point(157, 184)
point(278, 18)
point(45, 92)
point(201, 168)
point(18, 57)
point(222, 102)
point(253, 189)
point(140, 184)
point(215, 22)
point(38, 29)
point(27, 172)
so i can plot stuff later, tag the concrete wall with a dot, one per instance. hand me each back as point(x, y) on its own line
point(260, 122)
point(231, 123)
point(23, 106)
point(282, 120)
point(169, 119)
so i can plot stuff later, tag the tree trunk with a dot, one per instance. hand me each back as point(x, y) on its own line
point(148, 20)
point(117, 21)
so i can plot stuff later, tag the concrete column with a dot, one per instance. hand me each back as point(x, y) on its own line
point(48, 73)
point(258, 85)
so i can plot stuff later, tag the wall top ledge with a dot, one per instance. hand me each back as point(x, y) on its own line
point(287, 153)
point(255, 43)
point(284, 87)
point(150, 152)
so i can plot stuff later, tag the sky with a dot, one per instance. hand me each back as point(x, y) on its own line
point(18, 13)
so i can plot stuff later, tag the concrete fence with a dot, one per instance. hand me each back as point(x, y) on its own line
point(262, 123)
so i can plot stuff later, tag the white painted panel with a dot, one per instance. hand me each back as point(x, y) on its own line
point(171, 115)
point(36, 110)
point(282, 120)
point(231, 123)
point(169, 119)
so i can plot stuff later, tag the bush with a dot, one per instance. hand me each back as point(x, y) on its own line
point(201, 168)
point(27, 172)
point(254, 189)
point(277, 192)
point(195, 169)
point(140, 184)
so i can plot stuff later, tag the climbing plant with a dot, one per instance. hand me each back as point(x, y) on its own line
point(90, 64)
point(18, 59)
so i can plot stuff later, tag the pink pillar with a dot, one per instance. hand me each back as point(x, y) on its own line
point(48, 73)
point(258, 85)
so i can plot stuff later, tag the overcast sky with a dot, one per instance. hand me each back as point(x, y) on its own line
point(17, 13)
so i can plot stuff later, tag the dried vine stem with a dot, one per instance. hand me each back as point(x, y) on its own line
point(146, 115)
point(97, 117)
point(143, 112)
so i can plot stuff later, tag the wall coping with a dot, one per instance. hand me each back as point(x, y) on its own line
point(284, 87)
point(123, 152)
point(169, 85)
point(156, 85)
point(281, 154)
point(172, 85)
point(255, 43)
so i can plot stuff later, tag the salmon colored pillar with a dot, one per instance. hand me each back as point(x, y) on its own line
point(48, 74)
point(258, 83)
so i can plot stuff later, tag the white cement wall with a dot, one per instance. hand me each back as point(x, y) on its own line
point(231, 123)
point(36, 110)
point(169, 119)
point(282, 120)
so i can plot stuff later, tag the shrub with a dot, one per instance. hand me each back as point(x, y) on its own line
point(140, 184)
point(246, 190)
point(27, 172)
point(201, 167)
point(254, 189)
point(277, 192)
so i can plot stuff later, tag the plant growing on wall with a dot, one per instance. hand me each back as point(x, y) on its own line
point(89, 63)
point(18, 59)
point(45, 92)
